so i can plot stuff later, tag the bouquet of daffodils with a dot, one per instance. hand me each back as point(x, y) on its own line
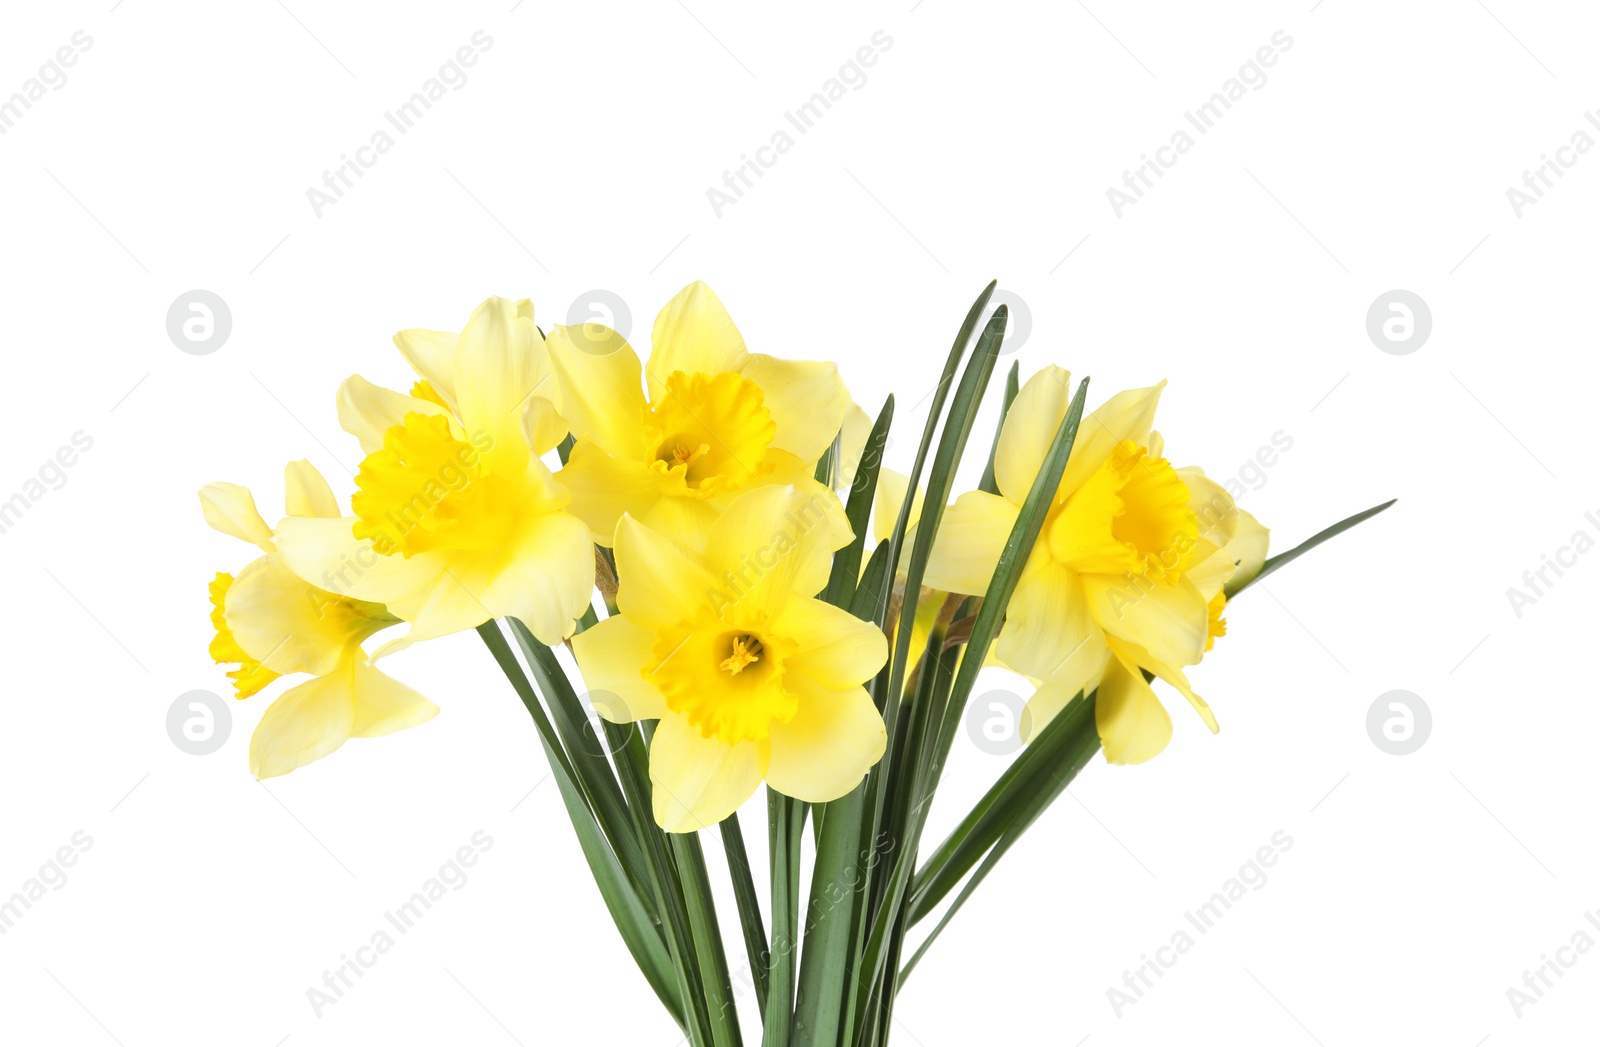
point(746, 632)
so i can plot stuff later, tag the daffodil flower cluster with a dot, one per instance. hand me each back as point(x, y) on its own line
point(692, 526)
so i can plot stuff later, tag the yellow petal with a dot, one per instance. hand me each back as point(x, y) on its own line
point(614, 656)
point(1049, 632)
point(1133, 725)
point(886, 503)
point(604, 487)
point(327, 554)
point(686, 521)
point(384, 705)
point(602, 394)
point(696, 782)
point(1248, 548)
point(545, 577)
point(1168, 618)
point(693, 334)
point(1127, 416)
point(853, 444)
point(834, 739)
point(367, 411)
point(230, 509)
point(834, 647)
point(808, 401)
point(1137, 657)
point(1047, 703)
point(431, 355)
point(772, 542)
point(250, 676)
point(1029, 428)
point(967, 547)
point(290, 626)
point(661, 582)
point(1214, 511)
point(306, 493)
point(500, 365)
point(306, 723)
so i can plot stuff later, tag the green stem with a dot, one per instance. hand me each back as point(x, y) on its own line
point(744, 894)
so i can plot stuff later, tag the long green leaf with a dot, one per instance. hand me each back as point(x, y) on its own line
point(1013, 557)
point(785, 827)
point(1012, 385)
point(847, 561)
point(638, 930)
point(839, 875)
point(592, 771)
point(707, 937)
point(1083, 747)
point(1275, 562)
point(1049, 750)
point(744, 895)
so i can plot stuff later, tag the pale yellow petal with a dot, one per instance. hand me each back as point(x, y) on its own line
point(1212, 505)
point(834, 739)
point(545, 577)
point(1137, 657)
point(1168, 618)
point(887, 501)
point(693, 334)
point(1133, 724)
point(686, 521)
point(604, 487)
point(602, 392)
point(660, 582)
point(384, 705)
point(432, 356)
point(614, 655)
point(1126, 416)
point(807, 399)
point(305, 723)
point(835, 648)
point(1049, 632)
point(772, 542)
point(500, 365)
point(543, 426)
point(967, 546)
point(695, 781)
point(1030, 427)
point(325, 553)
point(1047, 703)
point(230, 509)
point(306, 493)
point(1249, 548)
point(278, 619)
point(367, 411)
point(853, 444)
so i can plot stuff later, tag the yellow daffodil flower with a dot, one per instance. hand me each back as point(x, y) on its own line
point(718, 421)
point(271, 623)
point(750, 676)
point(1127, 573)
point(457, 520)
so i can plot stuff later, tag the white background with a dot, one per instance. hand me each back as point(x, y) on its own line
point(578, 155)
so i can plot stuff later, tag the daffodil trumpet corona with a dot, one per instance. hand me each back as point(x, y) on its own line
point(695, 553)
